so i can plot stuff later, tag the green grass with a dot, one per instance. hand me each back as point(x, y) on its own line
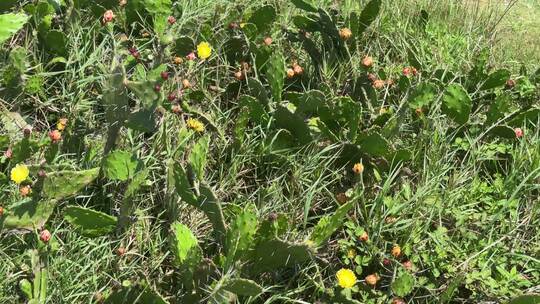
point(463, 207)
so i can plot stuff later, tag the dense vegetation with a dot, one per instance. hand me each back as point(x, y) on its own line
point(287, 151)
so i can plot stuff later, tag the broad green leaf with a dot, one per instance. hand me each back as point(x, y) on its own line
point(143, 120)
point(496, 79)
point(327, 225)
point(137, 9)
point(403, 285)
point(6, 5)
point(115, 99)
point(121, 165)
point(456, 103)
point(257, 90)
point(503, 132)
point(63, 184)
point(13, 124)
point(242, 287)
point(10, 24)
point(89, 222)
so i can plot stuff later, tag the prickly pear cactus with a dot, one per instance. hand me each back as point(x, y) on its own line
point(28, 214)
point(63, 184)
point(275, 74)
point(274, 254)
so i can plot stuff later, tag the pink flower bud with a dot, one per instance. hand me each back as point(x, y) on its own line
point(518, 132)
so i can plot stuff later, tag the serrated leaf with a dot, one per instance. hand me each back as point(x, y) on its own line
point(90, 223)
point(496, 79)
point(327, 225)
point(456, 103)
point(10, 24)
point(121, 165)
point(242, 287)
point(62, 184)
point(403, 285)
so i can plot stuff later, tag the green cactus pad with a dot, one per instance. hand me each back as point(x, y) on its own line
point(63, 184)
point(274, 254)
point(27, 214)
point(456, 103)
point(90, 223)
point(242, 287)
point(275, 74)
point(198, 156)
point(403, 285)
point(121, 165)
point(327, 225)
point(240, 236)
point(185, 247)
point(496, 79)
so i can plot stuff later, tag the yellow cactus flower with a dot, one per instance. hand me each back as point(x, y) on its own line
point(204, 50)
point(195, 125)
point(19, 173)
point(62, 123)
point(346, 278)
